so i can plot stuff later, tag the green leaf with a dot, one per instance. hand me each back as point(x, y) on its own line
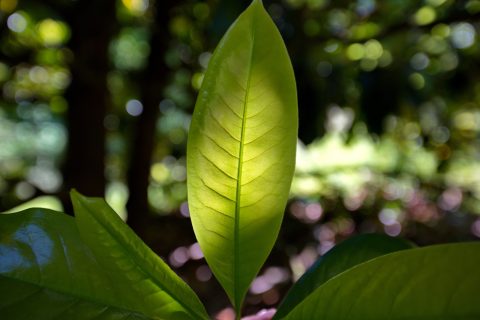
point(241, 150)
point(435, 283)
point(46, 272)
point(138, 274)
point(342, 257)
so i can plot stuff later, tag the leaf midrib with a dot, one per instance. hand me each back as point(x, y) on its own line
point(236, 275)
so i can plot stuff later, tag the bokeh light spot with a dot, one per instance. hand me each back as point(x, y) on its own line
point(16, 22)
point(463, 35)
point(425, 15)
point(53, 32)
point(355, 51)
point(373, 49)
point(136, 7)
point(203, 273)
point(417, 80)
point(134, 107)
point(419, 61)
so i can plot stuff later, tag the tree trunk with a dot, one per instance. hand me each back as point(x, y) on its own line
point(153, 80)
point(93, 24)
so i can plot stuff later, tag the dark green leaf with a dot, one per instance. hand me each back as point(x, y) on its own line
point(46, 272)
point(342, 257)
point(435, 283)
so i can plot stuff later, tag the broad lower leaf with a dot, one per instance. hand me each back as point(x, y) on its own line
point(46, 272)
point(435, 283)
point(142, 277)
point(241, 150)
point(342, 257)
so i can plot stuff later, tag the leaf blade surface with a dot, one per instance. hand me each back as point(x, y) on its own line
point(435, 283)
point(342, 257)
point(47, 272)
point(241, 150)
point(144, 278)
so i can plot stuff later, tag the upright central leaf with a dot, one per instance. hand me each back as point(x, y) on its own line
point(241, 150)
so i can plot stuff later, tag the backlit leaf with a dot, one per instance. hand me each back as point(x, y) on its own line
point(142, 277)
point(241, 150)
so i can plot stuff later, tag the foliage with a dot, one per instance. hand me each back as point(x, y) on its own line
point(421, 283)
point(47, 271)
point(94, 266)
point(342, 257)
point(241, 150)
point(146, 281)
point(348, 53)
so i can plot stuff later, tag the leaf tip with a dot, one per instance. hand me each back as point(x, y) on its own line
point(80, 199)
point(75, 196)
point(257, 4)
point(79, 202)
point(74, 193)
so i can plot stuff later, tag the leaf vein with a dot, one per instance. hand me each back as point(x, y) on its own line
point(221, 126)
point(215, 165)
point(217, 233)
point(218, 145)
point(222, 99)
point(264, 151)
point(261, 135)
point(214, 190)
point(258, 112)
point(216, 210)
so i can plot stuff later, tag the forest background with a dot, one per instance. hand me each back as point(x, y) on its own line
point(98, 95)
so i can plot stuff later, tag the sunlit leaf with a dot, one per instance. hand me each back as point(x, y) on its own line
point(241, 150)
point(46, 272)
point(342, 257)
point(142, 277)
point(435, 283)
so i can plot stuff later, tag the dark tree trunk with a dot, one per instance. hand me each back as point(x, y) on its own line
point(93, 24)
point(153, 80)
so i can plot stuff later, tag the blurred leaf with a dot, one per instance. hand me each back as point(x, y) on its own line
point(436, 282)
point(46, 271)
point(241, 150)
point(47, 202)
point(142, 278)
point(342, 257)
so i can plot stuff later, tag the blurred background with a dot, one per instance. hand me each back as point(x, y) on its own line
point(98, 95)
